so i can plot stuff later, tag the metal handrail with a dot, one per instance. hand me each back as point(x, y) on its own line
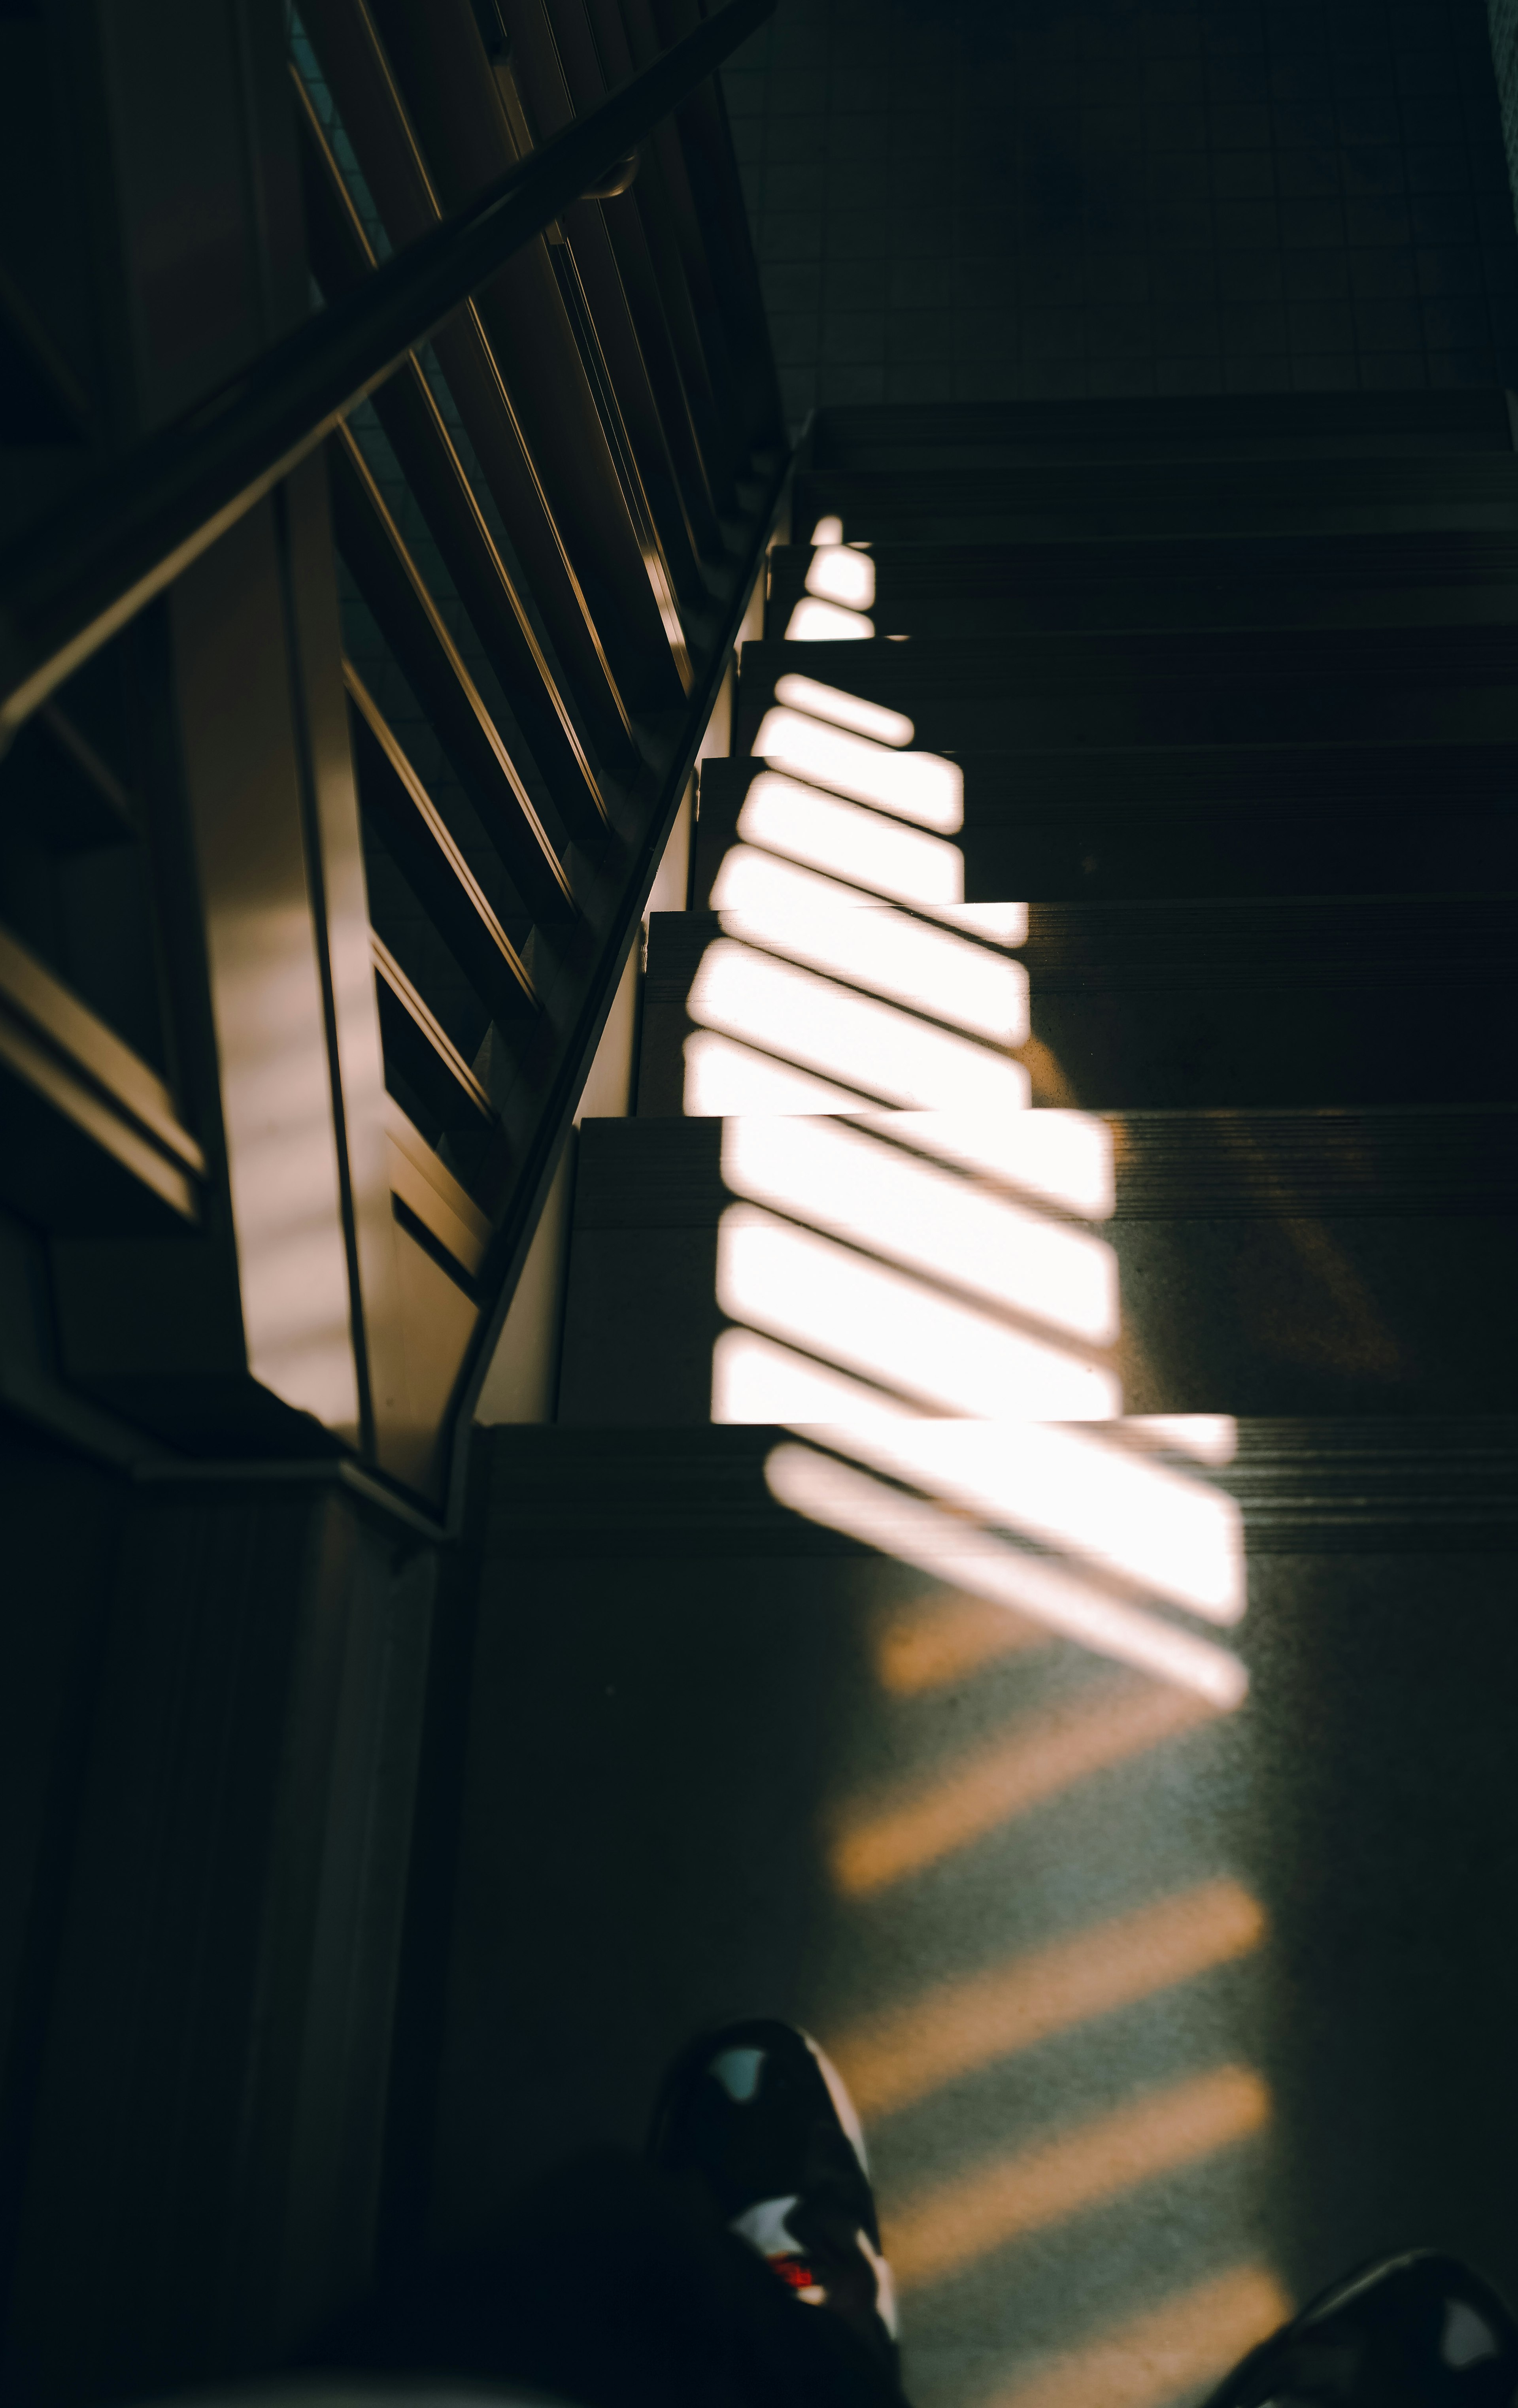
point(69, 582)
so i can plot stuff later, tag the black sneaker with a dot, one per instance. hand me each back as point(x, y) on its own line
point(757, 2114)
point(1421, 2331)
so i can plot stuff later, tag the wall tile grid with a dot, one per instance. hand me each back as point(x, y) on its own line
point(992, 199)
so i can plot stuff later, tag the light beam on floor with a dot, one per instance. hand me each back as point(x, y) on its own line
point(842, 1181)
point(951, 1548)
point(916, 786)
point(867, 1044)
point(964, 2220)
point(959, 2027)
point(903, 865)
point(823, 1297)
point(794, 913)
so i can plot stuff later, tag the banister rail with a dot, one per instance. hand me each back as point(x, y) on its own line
point(82, 571)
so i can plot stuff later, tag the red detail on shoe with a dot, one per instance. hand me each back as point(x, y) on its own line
point(794, 2270)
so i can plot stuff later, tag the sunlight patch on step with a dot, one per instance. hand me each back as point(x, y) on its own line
point(960, 1552)
point(813, 921)
point(842, 1181)
point(887, 1054)
point(874, 720)
point(945, 1636)
point(960, 2221)
point(799, 1285)
point(722, 1077)
point(823, 623)
point(1060, 1158)
point(916, 786)
point(958, 2028)
point(837, 573)
point(899, 863)
point(877, 1842)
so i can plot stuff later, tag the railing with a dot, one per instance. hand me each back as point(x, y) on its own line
point(348, 715)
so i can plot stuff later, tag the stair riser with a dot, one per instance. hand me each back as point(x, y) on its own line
point(1301, 425)
point(1022, 838)
point(1383, 1315)
point(1291, 1042)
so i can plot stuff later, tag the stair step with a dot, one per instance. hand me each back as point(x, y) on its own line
point(1267, 819)
point(1164, 686)
point(1352, 1000)
point(1068, 500)
point(1259, 581)
point(1299, 425)
point(1265, 1263)
point(694, 1493)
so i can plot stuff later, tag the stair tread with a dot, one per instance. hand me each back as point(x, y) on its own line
point(1431, 578)
point(1396, 557)
point(890, 672)
point(1474, 418)
point(1302, 1483)
point(1288, 933)
point(1254, 1161)
point(1070, 500)
point(1052, 777)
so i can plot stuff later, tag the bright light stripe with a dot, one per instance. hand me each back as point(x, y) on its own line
point(723, 1078)
point(1000, 923)
point(856, 1313)
point(806, 825)
point(1064, 1157)
point(910, 785)
point(959, 2027)
point(961, 2221)
point(845, 1181)
point(1191, 2340)
point(873, 719)
point(877, 1846)
point(812, 920)
point(1180, 1541)
point(1207, 1438)
point(869, 1046)
point(954, 1551)
point(836, 574)
point(754, 1380)
point(824, 623)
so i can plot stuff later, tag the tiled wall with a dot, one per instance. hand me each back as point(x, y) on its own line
point(983, 199)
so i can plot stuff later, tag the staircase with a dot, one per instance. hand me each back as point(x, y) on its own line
point(1028, 1591)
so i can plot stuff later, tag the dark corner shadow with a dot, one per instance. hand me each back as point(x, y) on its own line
point(662, 1667)
point(1378, 1824)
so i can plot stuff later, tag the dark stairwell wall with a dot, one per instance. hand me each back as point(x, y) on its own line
point(984, 200)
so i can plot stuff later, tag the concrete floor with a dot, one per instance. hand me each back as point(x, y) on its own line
point(1158, 2018)
point(1169, 1994)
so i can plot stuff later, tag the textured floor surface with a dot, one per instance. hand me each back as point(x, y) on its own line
point(1132, 1816)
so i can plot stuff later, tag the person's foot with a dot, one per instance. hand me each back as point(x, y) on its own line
point(761, 2117)
point(1421, 2331)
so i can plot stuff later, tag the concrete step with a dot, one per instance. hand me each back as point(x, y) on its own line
point(1244, 1262)
point(1130, 1006)
point(1007, 1904)
point(1141, 686)
point(1221, 820)
point(1068, 501)
point(972, 590)
point(1299, 425)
